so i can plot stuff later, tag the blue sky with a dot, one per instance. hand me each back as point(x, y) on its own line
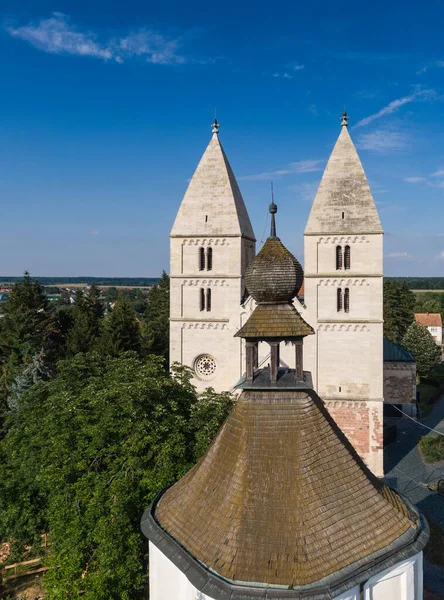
point(106, 109)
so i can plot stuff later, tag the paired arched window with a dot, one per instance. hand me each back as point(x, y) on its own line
point(347, 258)
point(205, 299)
point(338, 258)
point(343, 300)
point(346, 300)
point(343, 258)
point(339, 299)
point(206, 259)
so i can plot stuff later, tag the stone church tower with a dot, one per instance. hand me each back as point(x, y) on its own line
point(212, 243)
point(343, 296)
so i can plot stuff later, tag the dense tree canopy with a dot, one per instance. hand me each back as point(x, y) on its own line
point(157, 315)
point(84, 455)
point(421, 344)
point(399, 304)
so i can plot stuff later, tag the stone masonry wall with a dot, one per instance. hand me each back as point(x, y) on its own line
point(399, 382)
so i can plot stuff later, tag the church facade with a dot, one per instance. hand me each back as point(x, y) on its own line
point(212, 244)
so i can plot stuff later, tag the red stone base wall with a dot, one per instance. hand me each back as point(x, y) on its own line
point(362, 424)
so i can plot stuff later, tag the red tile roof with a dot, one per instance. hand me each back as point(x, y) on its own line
point(429, 319)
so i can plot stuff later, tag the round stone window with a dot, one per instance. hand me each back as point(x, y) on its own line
point(205, 366)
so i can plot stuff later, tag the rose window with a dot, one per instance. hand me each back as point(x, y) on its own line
point(205, 366)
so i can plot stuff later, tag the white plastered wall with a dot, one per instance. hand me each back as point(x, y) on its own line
point(403, 581)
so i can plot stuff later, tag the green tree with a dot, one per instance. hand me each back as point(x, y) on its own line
point(85, 454)
point(156, 327)
point(121, 330)
point(28, 328)
point(399, 304)
point(421, 344)
point(87, 315)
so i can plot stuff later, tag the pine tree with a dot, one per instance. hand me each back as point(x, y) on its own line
point(419, 341)
point(399, 305)
point(121, 330)
point(87, 314)
point(156, 327)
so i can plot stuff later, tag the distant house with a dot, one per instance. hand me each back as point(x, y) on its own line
point(433, 322)
point(399, 378)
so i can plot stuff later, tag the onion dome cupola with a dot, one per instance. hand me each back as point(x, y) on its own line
point(273, 279)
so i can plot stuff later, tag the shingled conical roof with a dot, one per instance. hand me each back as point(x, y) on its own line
point(282, 499)
point(343, 202)
point(213, 203)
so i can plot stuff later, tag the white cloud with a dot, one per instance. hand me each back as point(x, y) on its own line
point(57, 35)
point(298, 67)
point(393, 106)
point(305, 191)
point(313, 109)
point(439, 173)
point(413, 179)
point(94, 232)
point(422, 70)
point(283, 75)
point(302, 166)
point(398, 255)
point(383, 140)
point(441, 255)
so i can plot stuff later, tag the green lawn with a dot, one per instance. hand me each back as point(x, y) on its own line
point(432, 448)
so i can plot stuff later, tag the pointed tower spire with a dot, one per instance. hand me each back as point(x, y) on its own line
point(213, 198)
point(273, 211)
point(343, 202)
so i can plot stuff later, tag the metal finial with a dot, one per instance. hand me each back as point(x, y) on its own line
point(273, 210)
point(215, 126)
point(344, 119)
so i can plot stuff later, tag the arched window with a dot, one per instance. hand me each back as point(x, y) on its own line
point(347, 258)
point(339, 299)
point(338, 258)
point(201, 259)
point(209, 259)
point(208, 299)
point(346, 300)
point(202, 299)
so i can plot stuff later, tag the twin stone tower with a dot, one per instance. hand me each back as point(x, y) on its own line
point(212, 244)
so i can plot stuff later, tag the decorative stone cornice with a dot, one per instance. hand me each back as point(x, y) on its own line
point(211, 241)
point(207, 282)
point(343, 327)
point(343, 281)
point(342, 239)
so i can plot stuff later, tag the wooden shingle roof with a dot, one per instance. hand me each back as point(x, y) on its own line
point(275, 321)
point(281, 498)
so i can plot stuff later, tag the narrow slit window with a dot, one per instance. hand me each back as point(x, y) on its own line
point(339, 300)
point(346, 300)
point(208, 299)
point(343, 215)
point(338, 258)
point(347, 258)
point(206, 218)
point(209, 259)
point(201, 259)
point(202, 299)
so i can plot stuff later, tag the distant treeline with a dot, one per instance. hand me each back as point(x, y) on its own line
point(108, 281)
point(420, 283)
